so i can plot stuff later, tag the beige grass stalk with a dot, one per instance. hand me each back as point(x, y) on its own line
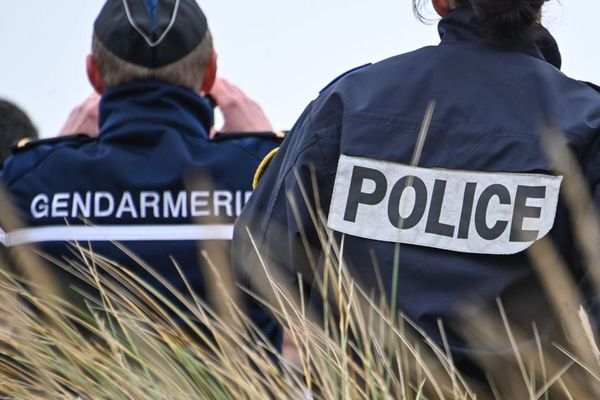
point(142, 345)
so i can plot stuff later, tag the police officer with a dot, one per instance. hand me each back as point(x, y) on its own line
point(467, 204)
point(136, 182)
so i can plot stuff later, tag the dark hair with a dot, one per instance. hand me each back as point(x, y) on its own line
point(14, 126)
point(502, 19)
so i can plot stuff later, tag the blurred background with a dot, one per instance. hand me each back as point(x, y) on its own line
point(281, 52)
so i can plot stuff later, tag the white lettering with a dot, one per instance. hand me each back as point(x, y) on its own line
point(150, 200)
point(239, 205)
point(60, 205)
point(223, 200)
point(167, 205)
point(126, 206)
point(106, 199)
point(81, 207)
point(199, 204)
point(39, 206)
point(172, 209)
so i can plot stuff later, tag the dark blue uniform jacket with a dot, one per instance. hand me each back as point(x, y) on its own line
point(152, 181)
point(463, 236)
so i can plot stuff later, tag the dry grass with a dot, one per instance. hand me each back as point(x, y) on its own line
point(132, 342)
point(134, 348)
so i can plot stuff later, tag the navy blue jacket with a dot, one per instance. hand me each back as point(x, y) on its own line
point(463, 235)
point(151, 181)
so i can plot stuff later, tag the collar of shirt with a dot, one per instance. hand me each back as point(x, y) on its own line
point(157, 103)
point(461, 25)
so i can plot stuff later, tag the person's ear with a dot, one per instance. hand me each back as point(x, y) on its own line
point(210, 74)
point(93, 73)
point(442, 7)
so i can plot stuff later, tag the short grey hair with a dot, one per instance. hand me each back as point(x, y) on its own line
point(188, 72)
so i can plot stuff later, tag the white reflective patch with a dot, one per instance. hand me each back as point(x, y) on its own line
point(464, 211)
point(112, 233)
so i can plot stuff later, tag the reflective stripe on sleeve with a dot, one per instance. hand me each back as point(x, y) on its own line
point(113, 233)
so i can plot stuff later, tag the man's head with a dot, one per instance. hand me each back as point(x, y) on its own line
point(14, 126)
point(167, 40)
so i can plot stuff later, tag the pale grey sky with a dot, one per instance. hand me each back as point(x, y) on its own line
point(281, 52)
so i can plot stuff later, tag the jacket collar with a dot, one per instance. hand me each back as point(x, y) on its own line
point(154, 102)
point(461, 25)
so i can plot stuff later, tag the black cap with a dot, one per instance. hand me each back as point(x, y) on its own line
point(151, 33)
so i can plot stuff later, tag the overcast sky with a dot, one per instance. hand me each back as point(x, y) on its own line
point(281, 52)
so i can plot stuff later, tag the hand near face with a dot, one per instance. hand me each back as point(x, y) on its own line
point(240, 112)
point(83, 118)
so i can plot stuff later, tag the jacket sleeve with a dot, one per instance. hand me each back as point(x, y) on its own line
point(587, 286)
point(276, 237)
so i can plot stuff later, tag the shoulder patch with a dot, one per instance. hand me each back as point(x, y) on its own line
point(343, 75)
point(490, 213)
point(262, 167)
point(22, 143)
point(224, 136)
point(29, 143)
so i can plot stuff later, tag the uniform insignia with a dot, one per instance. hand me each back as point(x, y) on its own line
point(23, 142)
point(29, 143)
point(264, 164)
point(463, 211)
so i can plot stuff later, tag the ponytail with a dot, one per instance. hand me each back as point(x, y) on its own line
point(503, 20)
point(508, 19)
